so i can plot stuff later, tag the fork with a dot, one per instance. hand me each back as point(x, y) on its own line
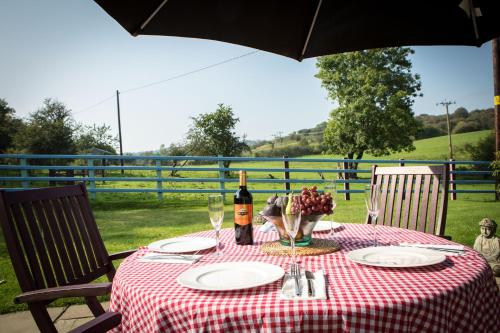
point(295, 273)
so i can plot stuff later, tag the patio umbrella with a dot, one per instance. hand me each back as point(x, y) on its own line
point(308, 28)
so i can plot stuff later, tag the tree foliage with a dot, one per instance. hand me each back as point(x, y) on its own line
point(95, 136)
point(48, 130)
point(375, 91)
point(9, 126)
point(213, 134)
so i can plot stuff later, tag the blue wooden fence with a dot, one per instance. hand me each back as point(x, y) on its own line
point(20, 171)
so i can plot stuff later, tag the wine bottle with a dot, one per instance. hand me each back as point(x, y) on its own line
point(243, 213)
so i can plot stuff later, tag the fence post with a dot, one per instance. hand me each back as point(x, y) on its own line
point(159, 183)
point(401, 162)
point(91, 173)
point(24, 173)
point(453, 186)
point(286, 174)
point(347, 195)
point(222, 177)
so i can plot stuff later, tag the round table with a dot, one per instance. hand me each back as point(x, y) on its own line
point(457, 295)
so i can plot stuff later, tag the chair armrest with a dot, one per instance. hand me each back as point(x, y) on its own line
point(75, 290)
point(121, 255)
point(100, 324)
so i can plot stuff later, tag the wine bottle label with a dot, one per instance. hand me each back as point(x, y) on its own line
point(243, 214)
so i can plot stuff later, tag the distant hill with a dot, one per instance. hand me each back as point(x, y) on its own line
point(461, 121)
point(309, 141)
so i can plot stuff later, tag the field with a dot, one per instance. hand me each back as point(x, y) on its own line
point(130, 220)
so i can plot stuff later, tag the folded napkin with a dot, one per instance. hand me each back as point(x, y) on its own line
point(267, 227)
point(288, 288)
point(167, 258)
point(449, 249)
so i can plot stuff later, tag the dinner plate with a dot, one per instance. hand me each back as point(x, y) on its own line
point(325, 226)
point(395, 256)
point(230, 276)
point(182, 244)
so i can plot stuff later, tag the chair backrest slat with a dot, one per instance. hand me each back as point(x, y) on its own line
point(410, 197)
point(48, 237)
point(75, 234)
point(76, 211)
point(383, 199)
point(97, 242)
point(69, 242)
point(399, 200)
point(434, 199)
point(59, 243)
point(390, 203)
point(424, 204)
point(416, 202)
point(52, 237)
point(28, 246)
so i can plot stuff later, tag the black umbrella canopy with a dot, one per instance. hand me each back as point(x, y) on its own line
point(308, 28)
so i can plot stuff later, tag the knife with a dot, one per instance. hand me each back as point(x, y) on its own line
point(310, 283)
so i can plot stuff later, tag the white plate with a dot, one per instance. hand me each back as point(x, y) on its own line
point(182, 244)
point(395, 256)
point(325, 226)
point(230, 275)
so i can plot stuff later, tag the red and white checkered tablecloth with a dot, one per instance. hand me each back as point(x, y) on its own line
point(458, 295)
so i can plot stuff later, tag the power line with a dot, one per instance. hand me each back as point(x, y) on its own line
point(189, 73)
point(94, 105)
point(168, 79)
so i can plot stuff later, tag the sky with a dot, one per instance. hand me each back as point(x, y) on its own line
point(74, 52)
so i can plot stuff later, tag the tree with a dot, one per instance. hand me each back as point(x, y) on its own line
point(461, 112)
point(96, 137)
point(212, 134)
point(375, 91)
point(175, 149)
point(48, 131)
point(9, 126)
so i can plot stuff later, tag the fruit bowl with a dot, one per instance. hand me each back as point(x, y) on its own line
point(313, 206)
point(304, 235)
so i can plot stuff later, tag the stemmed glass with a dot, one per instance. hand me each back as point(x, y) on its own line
point(372, 200)
point(331, 188)
point(216, 214)
point(291, 219)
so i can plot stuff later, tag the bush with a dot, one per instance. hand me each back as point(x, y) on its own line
point(291, 151)
point(465, 126)
point(483, 150)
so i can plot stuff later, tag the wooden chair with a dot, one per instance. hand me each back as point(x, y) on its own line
point(56, 250)
point(410, 197)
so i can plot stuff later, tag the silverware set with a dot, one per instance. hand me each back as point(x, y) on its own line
point(295, 273)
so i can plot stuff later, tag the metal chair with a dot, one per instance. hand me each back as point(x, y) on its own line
point(56, 250)
point(412, 197)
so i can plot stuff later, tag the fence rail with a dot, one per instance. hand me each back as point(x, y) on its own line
point(26, 170)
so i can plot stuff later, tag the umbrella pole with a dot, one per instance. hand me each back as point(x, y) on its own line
point(496, 90)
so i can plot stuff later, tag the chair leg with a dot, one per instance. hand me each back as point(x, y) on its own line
point(94, 306)
point(42, 318)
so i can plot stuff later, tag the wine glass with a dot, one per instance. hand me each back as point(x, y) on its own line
point(331, 189)
point(372, 200)
point(216, 214)
point(291, 219)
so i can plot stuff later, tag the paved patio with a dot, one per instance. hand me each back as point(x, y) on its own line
point(66, 319)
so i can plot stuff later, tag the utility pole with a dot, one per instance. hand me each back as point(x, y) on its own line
point(495, 46)
point(119, 127)
point(446, 104)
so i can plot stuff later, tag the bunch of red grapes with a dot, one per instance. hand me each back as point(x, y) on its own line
point(314, 203)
